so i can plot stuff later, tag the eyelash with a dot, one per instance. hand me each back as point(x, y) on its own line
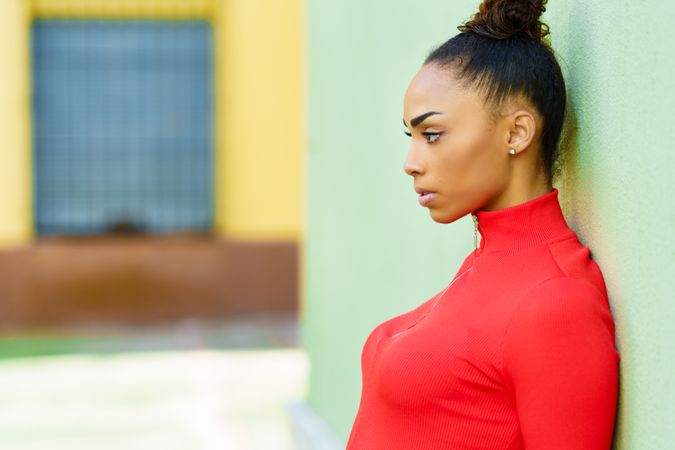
point(426, 134)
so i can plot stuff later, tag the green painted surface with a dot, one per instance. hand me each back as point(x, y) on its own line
point(372, 252)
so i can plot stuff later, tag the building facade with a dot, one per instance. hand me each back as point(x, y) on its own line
point(148, 119)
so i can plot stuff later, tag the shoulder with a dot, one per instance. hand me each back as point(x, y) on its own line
point(575, 261)
point(560, 326)
point(559, 303)
point(555, 315)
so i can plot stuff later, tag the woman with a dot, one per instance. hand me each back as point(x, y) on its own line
point(517, 352)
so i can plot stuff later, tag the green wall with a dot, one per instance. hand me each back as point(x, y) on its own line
point(372, 252)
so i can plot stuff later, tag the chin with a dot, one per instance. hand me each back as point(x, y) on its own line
point(441, 216)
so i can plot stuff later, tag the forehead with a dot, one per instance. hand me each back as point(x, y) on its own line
point(434, 88)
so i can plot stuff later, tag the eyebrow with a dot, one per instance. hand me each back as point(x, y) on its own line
point(419, 119)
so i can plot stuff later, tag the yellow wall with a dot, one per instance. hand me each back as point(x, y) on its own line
point(15, 164)
point(163, 9)
point(259, 55)
point(260, 116)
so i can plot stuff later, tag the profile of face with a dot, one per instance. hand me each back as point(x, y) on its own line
point(458, 153)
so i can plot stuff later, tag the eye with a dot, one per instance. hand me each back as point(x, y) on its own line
point(428, 135)
point(407, 133)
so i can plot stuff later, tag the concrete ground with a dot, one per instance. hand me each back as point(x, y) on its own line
point(189, 385)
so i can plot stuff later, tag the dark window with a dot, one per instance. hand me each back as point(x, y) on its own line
point(122, 125)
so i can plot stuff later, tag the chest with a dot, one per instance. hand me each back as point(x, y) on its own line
point(448, 350)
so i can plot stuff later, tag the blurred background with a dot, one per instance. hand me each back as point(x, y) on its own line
point(150, 223)
point(203, 211)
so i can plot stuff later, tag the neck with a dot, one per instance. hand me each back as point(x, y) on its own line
point(516, 195)
point(522, 226)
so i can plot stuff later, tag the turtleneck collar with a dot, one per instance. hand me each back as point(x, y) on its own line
point(522, 226)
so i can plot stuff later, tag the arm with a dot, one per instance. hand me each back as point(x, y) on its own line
point(561, 366)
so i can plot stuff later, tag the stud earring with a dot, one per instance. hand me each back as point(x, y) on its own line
point(512, 151)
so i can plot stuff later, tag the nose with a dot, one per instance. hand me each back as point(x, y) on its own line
point(412, 165)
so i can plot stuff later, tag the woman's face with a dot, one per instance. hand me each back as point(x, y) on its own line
point(456, 151)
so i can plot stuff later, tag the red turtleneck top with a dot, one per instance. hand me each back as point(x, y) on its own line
point(517, 352)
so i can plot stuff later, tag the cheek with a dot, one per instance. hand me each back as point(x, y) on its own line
point(466, 164)
point(467, 152)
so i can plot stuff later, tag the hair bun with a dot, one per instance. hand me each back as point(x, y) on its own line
point(502, 19)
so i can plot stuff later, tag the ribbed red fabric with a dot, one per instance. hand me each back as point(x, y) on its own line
point(518, 353)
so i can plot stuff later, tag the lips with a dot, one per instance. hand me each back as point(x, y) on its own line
point(421, 191)
point(425, 196)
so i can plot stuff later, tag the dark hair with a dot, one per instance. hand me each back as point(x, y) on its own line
point(503, 51)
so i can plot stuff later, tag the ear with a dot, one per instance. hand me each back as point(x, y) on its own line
point(522, 129)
